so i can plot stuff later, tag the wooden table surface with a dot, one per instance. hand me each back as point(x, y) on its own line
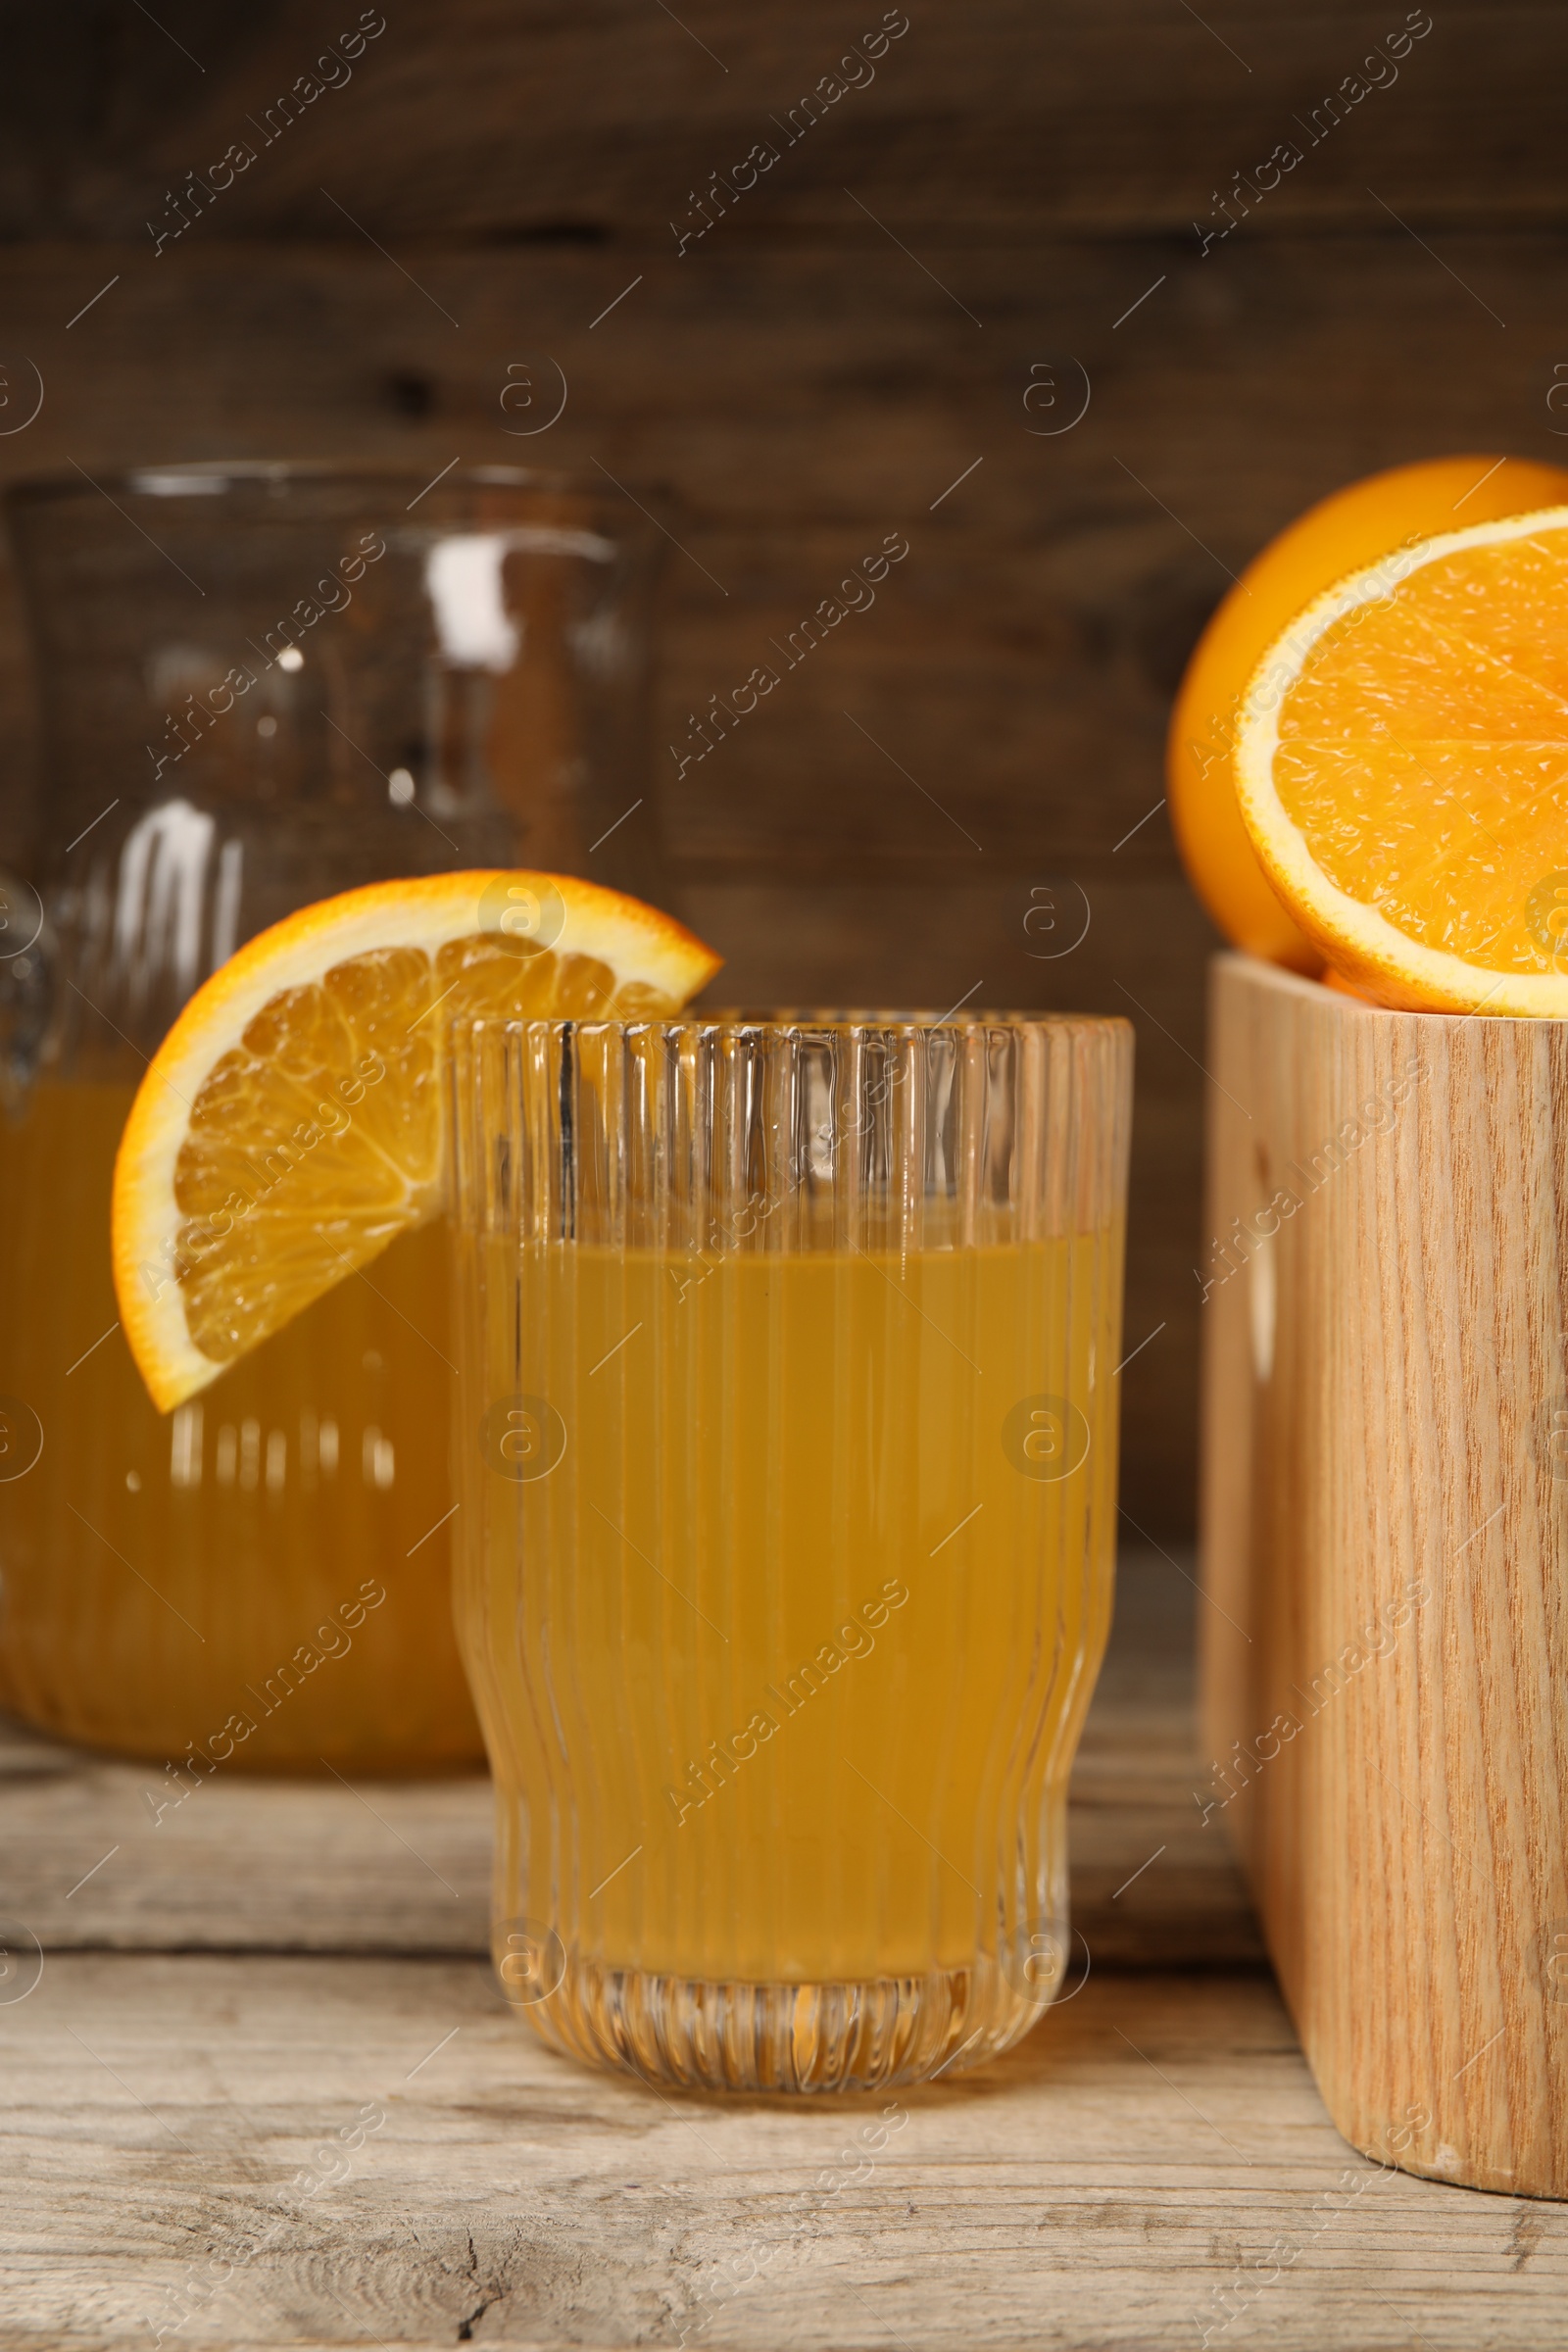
point(264, 2092)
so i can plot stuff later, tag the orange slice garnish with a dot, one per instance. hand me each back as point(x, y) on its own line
point(289, 1126)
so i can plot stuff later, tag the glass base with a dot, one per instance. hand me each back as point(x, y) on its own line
point(685, 2033)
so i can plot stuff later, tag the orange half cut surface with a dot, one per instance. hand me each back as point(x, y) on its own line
point(1352, 527)
point(289, 1126)
point(1403, 770)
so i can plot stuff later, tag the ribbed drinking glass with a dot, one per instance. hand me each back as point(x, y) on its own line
point(786, 1458)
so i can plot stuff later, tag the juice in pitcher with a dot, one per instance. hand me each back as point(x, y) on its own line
point(261, 1576)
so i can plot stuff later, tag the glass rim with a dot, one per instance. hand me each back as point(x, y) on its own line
point(210, 477)
point(809, 1022)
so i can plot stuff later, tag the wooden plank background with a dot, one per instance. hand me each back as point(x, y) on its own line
point(1016, 190)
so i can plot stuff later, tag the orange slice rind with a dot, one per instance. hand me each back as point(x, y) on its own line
point(289, 1127)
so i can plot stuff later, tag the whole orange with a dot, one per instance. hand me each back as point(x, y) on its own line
point(1353, 528)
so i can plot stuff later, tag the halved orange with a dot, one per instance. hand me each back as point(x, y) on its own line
point(289, 1126)
point(1351, 528)
point(1403, 770)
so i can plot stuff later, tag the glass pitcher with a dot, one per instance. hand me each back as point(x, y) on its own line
point(263, 684)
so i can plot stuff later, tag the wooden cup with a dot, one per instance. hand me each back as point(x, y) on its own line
point(1385, 1540)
